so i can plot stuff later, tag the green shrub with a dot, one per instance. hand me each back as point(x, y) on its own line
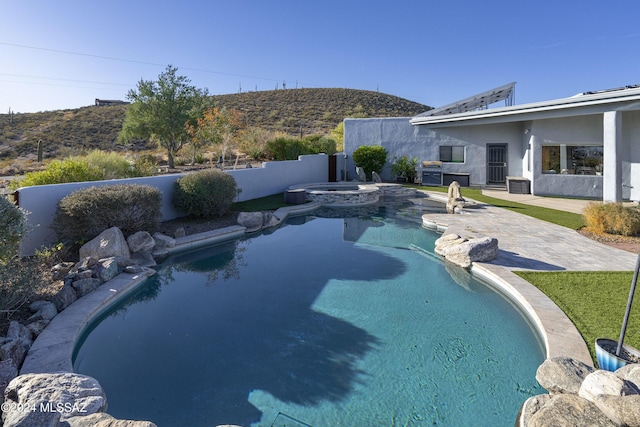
point(612, 218)
point(58, 172)
point(205, 194)
point(13, 224)
point(320, 144)
point(112, 165)
point(20, 281)
point(371, 158)
point(85, 213)
point(286, 148)
point(145, 165)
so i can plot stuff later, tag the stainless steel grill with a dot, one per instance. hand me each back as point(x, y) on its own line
point(431, 172)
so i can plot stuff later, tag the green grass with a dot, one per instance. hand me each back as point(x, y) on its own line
point(268, 203)
point(565, 219)
point(594, 301)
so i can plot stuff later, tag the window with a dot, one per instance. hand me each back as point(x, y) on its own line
point(451, 154)
point(572, 159)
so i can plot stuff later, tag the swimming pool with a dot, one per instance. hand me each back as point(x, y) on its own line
point(329, 321)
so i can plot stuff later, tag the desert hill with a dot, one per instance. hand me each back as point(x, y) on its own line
point(294, 111)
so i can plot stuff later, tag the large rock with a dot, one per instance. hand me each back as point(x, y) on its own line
point(84, 286)
point(18, 331)
point(562, 375)
point(566, 410)
point(144, 259)
point(8, 371)
point(605, 382)
point(105, 420)
point(463, 252)
point(17, 343)
point(141, 241)
point(162, 242)
point(109, 268)
point(109, 243)
point(252, 221)
point(65, 297)
point(623, 410)
point(43, 310)
point(631, 373)
point(65, 394)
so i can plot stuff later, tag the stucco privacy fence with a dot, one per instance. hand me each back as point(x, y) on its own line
point(41, 201)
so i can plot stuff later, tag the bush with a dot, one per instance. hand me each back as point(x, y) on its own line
point(85, 213)
point(286, 148)
point(205, 194)
point(58, 172)
point(320, 144)
point(20, 281)
point(404, 167)
point(612, 218)
point(145, 165)
point(370, 158)
point(13, 224)
point(111, 165)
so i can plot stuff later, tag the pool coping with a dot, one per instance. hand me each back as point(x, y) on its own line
point(53, 349)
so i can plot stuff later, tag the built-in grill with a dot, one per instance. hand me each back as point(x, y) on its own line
point(431, 172)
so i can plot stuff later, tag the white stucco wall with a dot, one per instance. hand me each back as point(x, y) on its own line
point(630, 154)
point(400, 138)
point(41, 201)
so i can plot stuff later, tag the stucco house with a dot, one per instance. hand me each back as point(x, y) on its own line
point(586, 145)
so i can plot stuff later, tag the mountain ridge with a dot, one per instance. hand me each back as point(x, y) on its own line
point(297, 112)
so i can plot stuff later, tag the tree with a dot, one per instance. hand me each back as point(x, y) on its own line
point(217, 126)
point(160, 110)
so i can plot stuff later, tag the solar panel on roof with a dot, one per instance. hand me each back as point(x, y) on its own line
point(476, 102)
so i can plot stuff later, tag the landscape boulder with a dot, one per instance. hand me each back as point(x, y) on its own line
point(622, 410)
point(43, 310)
point(462, 251)
point(76, 394)
point(252, 221)
point(108, 269)
point(84, 286)
point(162, 242)
point(8, 371)
point(141, 241)
point(64, 297)
point(566, 410)
point(562, 375)
point(109, 243)
point(103, 419)
point(605, 382)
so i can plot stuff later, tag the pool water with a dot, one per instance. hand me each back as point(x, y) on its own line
point(322, 322)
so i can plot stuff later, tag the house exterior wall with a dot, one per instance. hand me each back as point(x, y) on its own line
point(400, 138)
point(630, 154)
point(579, 130)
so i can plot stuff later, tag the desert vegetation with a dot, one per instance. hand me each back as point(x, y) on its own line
point(265, 115)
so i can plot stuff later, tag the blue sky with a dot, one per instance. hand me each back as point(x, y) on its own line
point(65, 53)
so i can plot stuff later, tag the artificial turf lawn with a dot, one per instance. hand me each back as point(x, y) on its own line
point(594, 301)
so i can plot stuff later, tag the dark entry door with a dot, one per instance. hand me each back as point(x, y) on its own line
point(496, 163)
